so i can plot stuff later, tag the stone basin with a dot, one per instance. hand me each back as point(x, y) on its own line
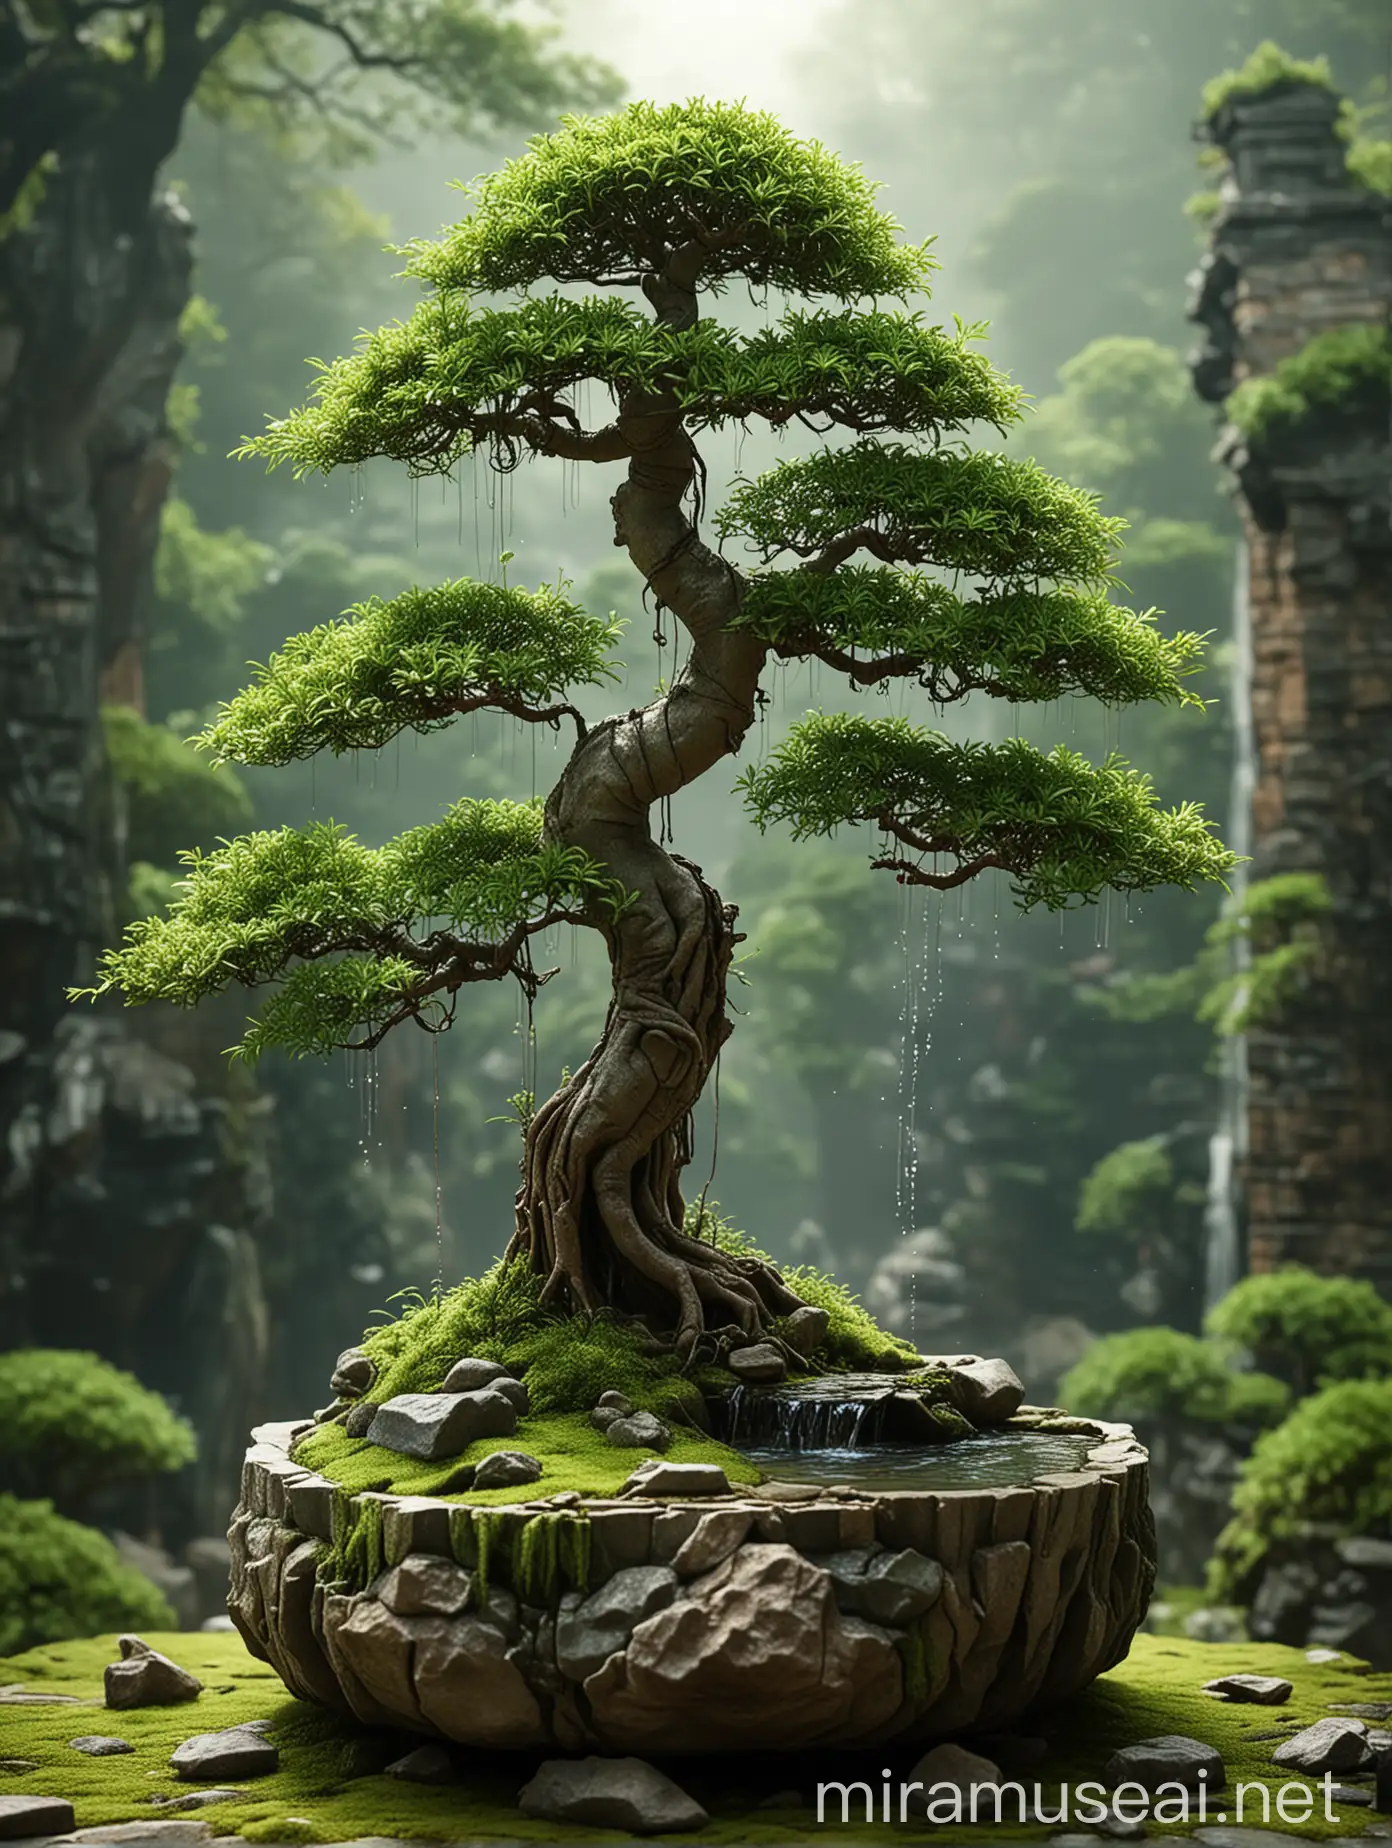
point(780, 1617)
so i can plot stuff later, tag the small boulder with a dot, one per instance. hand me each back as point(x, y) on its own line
point(603, 1416)
point(145, 1678)
point(237, 1752)
point(659, 1478)
point(431, 1425)
point(1328, 1745)
point(639, 1431)
point(758, 1365)
point(805, 1329)
point(428, 1764)
point(715, 1537)
point(23, 1816)
point(1257, 1690)
point(610, 1793)
point(988, 1391)
point(615, 1401)
point(516, 1391)
point(200, 1799)
point(97, 1745)
point(470, 1375)
point(958, 1769)
point(600, 1625)
point(358, 1422)
point(1169, 1759)
point(506, 1469)
point(886, 1588)
point(353, 1375)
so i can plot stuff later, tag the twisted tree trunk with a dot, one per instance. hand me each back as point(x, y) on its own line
point(600, 1209)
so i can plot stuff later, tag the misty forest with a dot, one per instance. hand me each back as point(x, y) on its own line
point(650, 806)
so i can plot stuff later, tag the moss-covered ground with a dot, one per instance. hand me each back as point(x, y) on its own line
point(331, 1787)
point(572, 1454)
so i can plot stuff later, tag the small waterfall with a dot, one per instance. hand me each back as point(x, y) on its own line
point(764, 1417)
point(1223, 1258)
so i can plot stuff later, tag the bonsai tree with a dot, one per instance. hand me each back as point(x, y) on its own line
point(924, 560)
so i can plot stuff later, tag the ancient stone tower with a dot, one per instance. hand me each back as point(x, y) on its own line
point(1299, 247)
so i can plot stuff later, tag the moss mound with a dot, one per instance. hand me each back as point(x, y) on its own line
point(1149, 1373)
point(330, 1785)
point(59, 1579)
point(1308, 1329)
point(71, 1424)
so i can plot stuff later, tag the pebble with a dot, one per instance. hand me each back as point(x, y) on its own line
point(506, 1469)
point(659, 1478)
point(469, 1374)
point(145, 1678)
point(610, 1793)
point(760, 1364)
point(238, 1752)
point(639, 1431)
point(96, 1745)
point(1328, 1745)
point(1260, 1690)
point(1172, 1758)
point(428, 1764)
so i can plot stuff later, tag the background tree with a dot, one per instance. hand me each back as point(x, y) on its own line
point(677, 201)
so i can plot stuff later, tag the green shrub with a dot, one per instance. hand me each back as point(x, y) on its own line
point(71, 1424)
point(1335, 367)
point(60, 1580)
point(1330, 1461)
point(1308, 1329)
point(175, 799)
point(1154, 1373)
point(1128, 1191)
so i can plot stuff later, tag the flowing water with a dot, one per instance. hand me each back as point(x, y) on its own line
point(1009, 1460)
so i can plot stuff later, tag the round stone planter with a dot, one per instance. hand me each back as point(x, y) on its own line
point(767, 1619)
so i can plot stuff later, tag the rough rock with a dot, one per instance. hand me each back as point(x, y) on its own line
point(428, 1764)
point(1169, 1759)
point(470, 1375)
point(506, 1469)
point(959, 1769)
point(22, 1816)
point(430, 1425)
point(423, 1586)
point(805, 1329)
point(148, 1833)
point(598, 1626)
point(200, 1799)
point(715, 1537)
point(658, 1478)
point(988, 1391)
point(98, 1745)
point(145, 1678)
point(1259, 1690)
point(610, 1793)
point(891, 1588)
point(516, 1391)
point(639, 1431)
point(1335, 1744)
point(359, 1420)
point(755, 1649)
point(614, 1400)
point(238, 1752)
point(759, 1365)
point(354, 1374)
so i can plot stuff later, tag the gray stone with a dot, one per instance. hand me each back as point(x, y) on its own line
point(891, 1588)
point(1334, 1744)
point(470, 1375)
point(430, 1425)
point(714, 1538)
point(145, 1678)
point(506, 1469)
point(516, 1391)
point(1347, 1793)
point(1258, 1690)
point(98, 1745)
point(1169, 1759)
point(200, 1799)
point(423, 1586)
point(640, 1431)
point(428, 1764)
point(238, 1752)
point(1366, 1553)
point(613, 1400)
point(353, 1375)
point(659, 1478)
point(148, 1833)
point(988, 1391)
point(217, 1626)
point(1323, 1658)
point(805, 1329)
point(600, 1625)
point(603, 1416)
point(359, 1420)
point(961, 1770)
point(758, 1365)
point(610, 1793)
point(21, 1816)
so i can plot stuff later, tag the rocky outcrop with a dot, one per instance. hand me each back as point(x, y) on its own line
point(1320, 1589)
point(739, 1621)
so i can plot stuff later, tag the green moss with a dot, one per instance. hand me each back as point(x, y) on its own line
point(1268, 68)
point(1340, 365)
point(1308, 1329)
point(70, 1424)
point(1128, 1190)
point(59, 1579)
point(330, 1776)
point(1160, 1372)
point(174, 798)
point(1330, 1461)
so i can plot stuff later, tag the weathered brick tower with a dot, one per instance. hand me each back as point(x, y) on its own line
point(1299, 248)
